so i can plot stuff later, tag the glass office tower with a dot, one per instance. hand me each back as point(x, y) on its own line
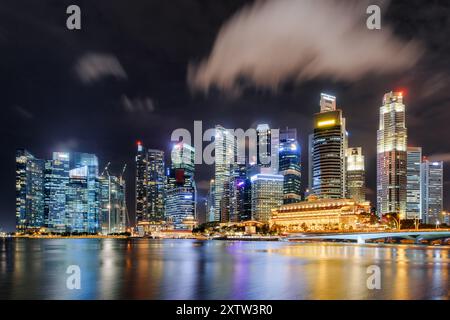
point(356, 176)
point(289, 165)
point(181, 189)
point(392, 157)
point(267, 194)
point(413, 183)
point(29, 192)
point(432, 191)
point(329, 144)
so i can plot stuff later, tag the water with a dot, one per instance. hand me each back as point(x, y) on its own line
point(190, 269)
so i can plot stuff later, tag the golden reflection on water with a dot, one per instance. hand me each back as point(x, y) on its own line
point(189, 269)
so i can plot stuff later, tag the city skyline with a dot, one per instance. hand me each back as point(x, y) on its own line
point(147, 96)
point(67, 193)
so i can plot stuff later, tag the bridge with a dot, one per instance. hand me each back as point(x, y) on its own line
point(361, 237)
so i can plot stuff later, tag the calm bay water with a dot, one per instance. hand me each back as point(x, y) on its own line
point(190, 269)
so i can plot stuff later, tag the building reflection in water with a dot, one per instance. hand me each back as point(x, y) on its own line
point(190, 269)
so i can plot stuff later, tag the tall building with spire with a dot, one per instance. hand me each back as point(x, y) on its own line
point(328, 147)
point(392, 156)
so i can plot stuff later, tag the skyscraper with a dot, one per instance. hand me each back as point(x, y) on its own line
point(432, 191)
point(391, 156)
point(181, 190)
point(267, 194)
point(83, 194)
point(56, 179)
point(289, 165)
point(141, 203)
point(29, 192)
point(356, 177)
point(112, 204)
point(156, 181)
point(329, 143)
point(240, 194)
point(413, 183)
point(150, 184)
point(210, 202)
point(225, 153)
point(267, 148)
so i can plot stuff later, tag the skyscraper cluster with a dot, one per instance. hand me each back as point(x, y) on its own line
point(166, 194)
point(408, 185)
point(66, 194)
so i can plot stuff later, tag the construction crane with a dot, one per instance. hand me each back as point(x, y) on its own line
point(106, 169)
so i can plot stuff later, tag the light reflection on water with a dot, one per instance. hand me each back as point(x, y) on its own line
point(190, 269)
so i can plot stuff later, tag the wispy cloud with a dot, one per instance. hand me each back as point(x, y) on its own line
point(137, 104)
point(95, 66)
point(274, 41)
point(24, 113)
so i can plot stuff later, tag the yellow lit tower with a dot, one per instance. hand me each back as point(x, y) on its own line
point(392, 157)
point(328, 148)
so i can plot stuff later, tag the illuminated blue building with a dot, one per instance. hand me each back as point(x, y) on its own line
point(289, 165)
point(29, 192)
point(181, 189)
point(56, 179)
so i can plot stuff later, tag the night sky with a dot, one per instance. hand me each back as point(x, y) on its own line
point(137, 70)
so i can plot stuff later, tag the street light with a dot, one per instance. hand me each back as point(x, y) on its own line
point(437, 224)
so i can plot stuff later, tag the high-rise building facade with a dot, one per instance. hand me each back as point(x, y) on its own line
point(141, 202)
point(225, 153)
point(56, 179)
point(267, 148)
point(392, 156)
point(156, 184)
point(112, 204)
point(329, 144)
point(356, 177)
point(84, 167)
point(181, 189)
point(29, 192)
point(432, 191)
point(267, 194)
point(240, 194)
point(413, 183)
point(289, 165)
point(150, 184)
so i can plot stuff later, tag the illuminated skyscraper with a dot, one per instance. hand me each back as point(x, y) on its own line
point(181, 191)
point(210, 202)
point(56, 179)
point(267, 148)
point(150, 184)
point(289, 165)
point(155, 185)
point(391, 156)
point(29, 192)
point(413, 183)
point(112, 204)
point(267, 194)
point(329, 143)
point(356, 177)
point(83, 198)
point(225, 153)
point(141, 204)
point(240, 194)
point(432, 191)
